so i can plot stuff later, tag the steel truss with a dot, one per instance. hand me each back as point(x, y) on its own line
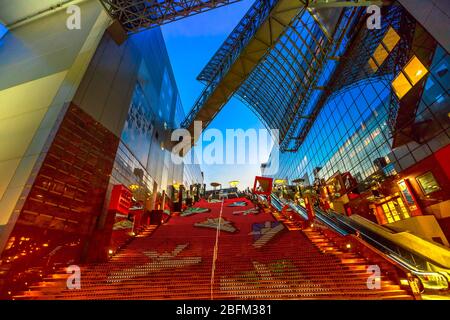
point(272, 60)
point(281, 84)
point(241, 52)
point(138, 15)
point(353, 67)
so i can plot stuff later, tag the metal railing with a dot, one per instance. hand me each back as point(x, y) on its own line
point(420, 266)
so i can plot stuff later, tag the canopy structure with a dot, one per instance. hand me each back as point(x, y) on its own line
point(138, 15)
point(272, 61)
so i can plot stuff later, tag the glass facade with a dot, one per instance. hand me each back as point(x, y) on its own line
point(138, 128)
point(280, 85)
point(351, 133)
point(154, 108)
point(381, 122)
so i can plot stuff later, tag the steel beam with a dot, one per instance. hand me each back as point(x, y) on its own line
point(255, 35)
point(138, 15)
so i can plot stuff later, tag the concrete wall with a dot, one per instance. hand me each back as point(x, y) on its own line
point(41, 66)
point(434, 16)
point(108, 85)
point(423, 226)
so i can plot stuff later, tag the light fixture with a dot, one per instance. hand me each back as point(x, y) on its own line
point(280, 181)
point(415, 70)
point(234, 183)
point(133, 187)
point(348, 246)
point(404, 282)
point(411, 74)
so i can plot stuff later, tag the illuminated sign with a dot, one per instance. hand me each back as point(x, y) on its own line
point(428, 183)
point(409, 198)
point(120, 199)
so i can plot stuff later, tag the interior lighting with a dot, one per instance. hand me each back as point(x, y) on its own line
point(401, 85)
point(280, 181)
point(404, 282)
point(411, 74)
point(133, 187)
point(383, 50)
point(415, 70)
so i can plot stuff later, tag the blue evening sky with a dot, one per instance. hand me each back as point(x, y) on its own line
point(191, 42)
point(3, 30)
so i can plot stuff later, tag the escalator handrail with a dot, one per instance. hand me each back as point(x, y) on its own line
point(415, 255)
point(403, 261)
point(400, 260)
point(327, 221)
point(388, 252)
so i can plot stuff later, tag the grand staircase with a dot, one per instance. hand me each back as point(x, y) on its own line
point(254, 256)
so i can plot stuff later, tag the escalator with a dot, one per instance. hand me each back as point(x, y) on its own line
point(432, 274)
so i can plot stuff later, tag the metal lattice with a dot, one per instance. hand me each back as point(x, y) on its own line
point(137, 15)
point(237, 57)
point(281, 84)
point(272, 60)
point(353, 66)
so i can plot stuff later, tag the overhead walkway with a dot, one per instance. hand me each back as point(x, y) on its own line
point(234, 250)
point(428, 261)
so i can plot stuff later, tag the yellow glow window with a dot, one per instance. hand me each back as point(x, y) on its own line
point(391, 39)
point(409, 76)
point(401, 85)
point(380, 55)
point(415, 70)
point(373, 65)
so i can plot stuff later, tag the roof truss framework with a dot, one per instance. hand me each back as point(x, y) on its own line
point(289, 73)
point(272, 60)
point(254, 36)
point(137, 15)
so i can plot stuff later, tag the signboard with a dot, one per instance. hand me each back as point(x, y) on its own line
point(120, 199)
point(263, 185)
point(408, 197)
